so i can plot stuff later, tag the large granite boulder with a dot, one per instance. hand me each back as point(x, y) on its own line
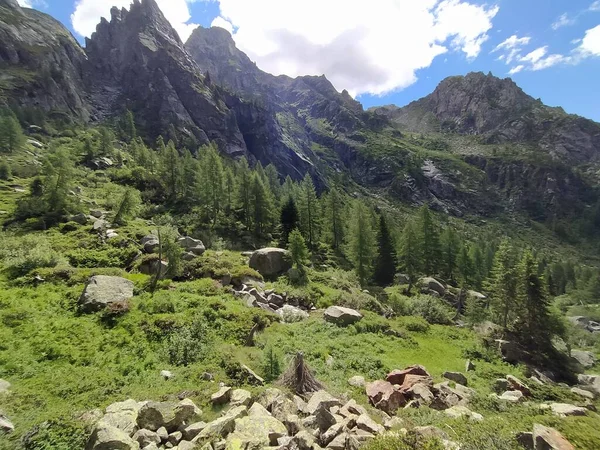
point(270, 261)
point(432, 285)
point(258, 429)
point(123, 415)
point(398, 376)
point(103, 291)
point(546, 438)
point(154, 415)
point(585, 358)
point(107, 437)
point(342, 316)
point(191, 245)
point(382, 395)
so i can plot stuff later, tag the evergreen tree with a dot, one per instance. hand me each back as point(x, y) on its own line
point(5, 170)
point(273, 181)
point(213, 182)
point(261, 206)
point(411, 260)
point(58, 173)
point(308, 208)
point(289, 220)
point(334, 214)
point(244, 192)
point(288, 189)
point(533, 315)
point(479, 267)
point(230, 190)
point(361, 241)
point(465, 266)
point(430, 242)
point(11, 134)
point(89, 150)
point(105, 147)
point(450, 249)
point(298, 250)
point(502, 284)
point(386, 262)
point(191, 173)
point(127, 206)
point(271, 364)
point(171, 171)
point(128, 126)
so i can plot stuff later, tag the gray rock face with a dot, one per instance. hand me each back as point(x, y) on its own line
point(102, 291)
point(456, 377)
point(586, 359)
point(270, 261)
point(341, 316)
point(106, 437)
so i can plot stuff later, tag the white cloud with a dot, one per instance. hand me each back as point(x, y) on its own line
point(38, 4)
point(590, 44)
point(87, 14)
point(535, 55)
point(25, 3)
point(373, 47)
point(511, 48)
point(516, 69)
point(595, 6)
point(220, 22)
point(563, 21)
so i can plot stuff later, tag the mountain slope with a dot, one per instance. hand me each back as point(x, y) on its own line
point(499, 111)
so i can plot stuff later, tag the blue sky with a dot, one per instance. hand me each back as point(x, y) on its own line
point(398, 51)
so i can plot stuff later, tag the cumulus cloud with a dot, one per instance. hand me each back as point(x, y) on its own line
point(38, 4)
point(516, 69)
point(87, 14)
point(590, 44)
point(563, 21)
point(362, 47)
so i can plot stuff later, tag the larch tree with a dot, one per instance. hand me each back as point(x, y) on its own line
point(411, 260)
point(361, 241)
point(450, 249)
point(213, 183)
point(11, 134)
point(430, 241)
point(244, 176)
point(289, 220)
point(501, 284)
point(308, 208)
point(386, 261)
point(262, 207)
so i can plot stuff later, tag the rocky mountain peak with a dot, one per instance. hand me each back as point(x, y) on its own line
point(10, 4)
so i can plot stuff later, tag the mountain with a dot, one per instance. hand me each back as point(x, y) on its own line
point(500, 112)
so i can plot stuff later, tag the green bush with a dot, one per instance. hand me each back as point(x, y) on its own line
point(22, 254)
point(57, 434)
point(414, 324)
point(190, 343)
point(433, 310)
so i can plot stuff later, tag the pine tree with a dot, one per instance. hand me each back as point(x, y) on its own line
point(105, 147)
point(11, 134)
point(411, 260)
point(334, 213)
point(479, 268)
point(261, 207)
point(191, 172)
point(273, 181)
point(213, 182)
point(386, 262)
point(127, 206)
point(271, 364)
point(450, 249)
point(502, 284)
point(89, 150)
point(128, 126)
point(289, 220)
point(533, 315)
point(465, 266)
point(171, 171)
point(58, 173)
point(244, 192)
point(430, 242)
point(230, 190)
point(298, 250)
point(307, 206)
point(361, 241)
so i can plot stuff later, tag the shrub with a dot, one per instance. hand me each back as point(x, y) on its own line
point(189, 343)
point(21, 255)
point(414, 324)
point(432, 309)
point(271, 364)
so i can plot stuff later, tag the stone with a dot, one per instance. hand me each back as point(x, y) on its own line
point(457, 377)
point(187, 445)
point(163, 434)
point(282, 407)
point(175, 437)
point(107, 437)
point(546, 438)
point(6, 426)
point(341, 316)
point(220, 427)
point(525, 439)
point(4, 386)
point(196, 246)
point(123, 415)
point(402, 278)
point(420, 392)
point(324, 419)
point(339, 443)
point(458, 411)
point(398, 376)
point(154, 415)
point(352, 408)
point(291, 314)
point(259, 428)
point(102, 291)
point(517, 385)
point(411, 380)
point(80, 218)
point(469, 366)
point(357, 381)
point(237, 412)
point(270, 261)
point(585, 358)
point(303, 440)
point(150, 243)
point(275, 299)
point(321, 399)
point(364, 422)
point(431, 284)
point(512, 396)
point(590, 383)
point(207, 376)
point(240, 397)
point(251, 376)
point(191, 431)
point(582, 393)
point(222, 396)
point(292, 423)
point(146, 437)
point(166, 374)
point(500, 385)
point(393, 423)
point(565, 409)
point(96, 213)
point(151, 446)
point(269, 396)
point(382, 395)
point(100, 225)
point(35, 143)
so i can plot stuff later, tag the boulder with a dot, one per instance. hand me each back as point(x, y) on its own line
point(582, 393)
point(393, 422)
point(321, 399)
point(102, 291)
point(291, 314)
point(150, 243)
point(123, 415)
point(590, 383)
point(174, 437)
point(342, 316)
point(222, 396)
point(152, 266)
point(146, 437)
point(96, 213)
point(106, 437)
point(163, 434)
point(195, 246)
point(546, 438)
point(269, 397)
point(222, 426)
point(324, 419)
point(270, 261)
point(420, 392)
point(459, 411)
point(251, 376)
point(402, 278)
point(585, 358)
point(240, 397)
point(431, 284)
point(517, 385)
point(6, 426)
point(382, 395)
point(351, 408)
point(192, 430)
point(457, 377)
point(357, 381)
point(512, 396)
point(303, 441)
point(154, 415)
point(257, 430)
point(4, 386)
point(500, 385)
point(398, 376)
point(469, 366)
point(100, 225)
point(80, 218)
point(364, 422)
point(565, 409)
point(166, 374)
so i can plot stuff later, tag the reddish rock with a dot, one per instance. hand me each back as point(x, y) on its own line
point(411, 380)
point(545, 438)
point(382, 395)
point(515, 384)
point(398, 376)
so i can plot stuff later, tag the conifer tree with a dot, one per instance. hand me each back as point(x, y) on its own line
point(58, 173)
point(127, 206)
point(244, 176)
point(298, 250)
point(501, 284)
point(533, 315)
point(334, 207)
point(288, 189)
point(450, 250)
point(128, 126)
point(105, 147)
point(465, 266)
point(261, 206)
point(308, 208)
point(230, 190)
point(411, 260)
point(386, 262)
point(213, 182)
point(171, 171)
point(189, 183)
point(289, 220)
point(479, 267)
point(11, 134)
point(430, 242)
point(273, 179)
point(361, 241)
